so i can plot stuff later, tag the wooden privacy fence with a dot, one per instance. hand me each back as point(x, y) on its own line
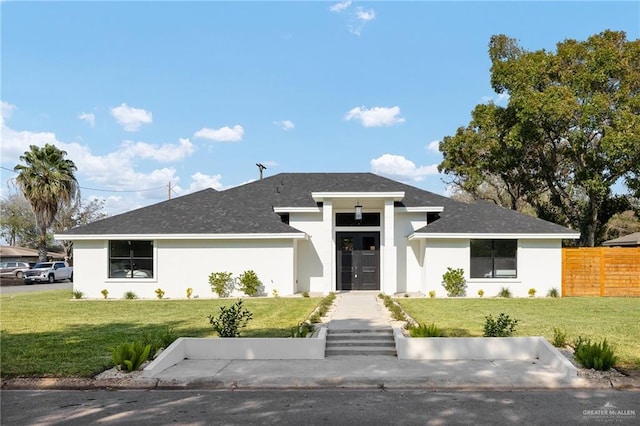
point(601, 271)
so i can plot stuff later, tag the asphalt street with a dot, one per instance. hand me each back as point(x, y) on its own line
point(22, 288)
point(322, 407)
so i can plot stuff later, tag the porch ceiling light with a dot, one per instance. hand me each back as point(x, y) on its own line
point(358, 212)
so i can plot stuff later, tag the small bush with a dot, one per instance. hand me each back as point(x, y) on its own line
point(503, 326)
point(532, 292)
point(77, 294)
point(159, 293)
point(396, 311)
point(504, 292)
point(454, 283)
point(159, 339)
point(432, 294)
point(105, 293)
point(249, 283)
point(322, 308)
point(305, 294)
point(130, 356)
point(231, 320)
point(130, 295)
point(480, 293)
point(302, 330)
point(189, 292)
point(553, 293)
point(424, 330)
point(559, 338)
point(222, 283)
point(599, 356)
point(275, 293)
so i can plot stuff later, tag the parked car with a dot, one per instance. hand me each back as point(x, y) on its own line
point(14, 269)
point(48, 272)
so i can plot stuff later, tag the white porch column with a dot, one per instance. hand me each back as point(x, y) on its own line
point(328, 249)
point(389, 283)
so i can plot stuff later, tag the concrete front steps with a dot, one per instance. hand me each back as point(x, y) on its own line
point(360, 342)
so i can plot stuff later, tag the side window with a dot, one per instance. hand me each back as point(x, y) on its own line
point(131, 259)
point(494, 258)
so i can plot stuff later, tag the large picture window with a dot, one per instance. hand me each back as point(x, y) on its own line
point(494, 258)
point(130, 259)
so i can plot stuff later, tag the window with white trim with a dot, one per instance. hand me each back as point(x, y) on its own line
point(130, 259)
point(494, 259)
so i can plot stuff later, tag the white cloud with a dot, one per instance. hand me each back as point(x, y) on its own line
point(88, 117)
point(498, 98)
point(162, 153)
point(365, 15)
point(339, 7)
point(223, 134)
point(398, 167)
point(6, 109)
point(201, 181)
point(434, 146)
point(285, 124)
point(131, 119)
point(376, 116)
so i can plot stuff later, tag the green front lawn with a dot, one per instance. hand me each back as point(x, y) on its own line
point(615, 318)
point(49, 334)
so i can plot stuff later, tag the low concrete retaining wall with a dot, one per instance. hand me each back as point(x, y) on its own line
point(483, 348)
point(238, 348)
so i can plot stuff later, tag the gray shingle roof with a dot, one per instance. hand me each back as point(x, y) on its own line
point(248, 209)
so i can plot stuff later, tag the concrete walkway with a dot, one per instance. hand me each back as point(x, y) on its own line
point(355, 311)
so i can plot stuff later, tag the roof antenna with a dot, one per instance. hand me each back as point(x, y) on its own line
point(261, 167)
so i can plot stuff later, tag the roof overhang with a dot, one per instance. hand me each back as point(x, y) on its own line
point(260, 236)
point(495, 236)
point(420, 209)
point(297, 210)
point(321, 196)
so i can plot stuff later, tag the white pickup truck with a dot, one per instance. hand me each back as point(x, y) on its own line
point(48, 272)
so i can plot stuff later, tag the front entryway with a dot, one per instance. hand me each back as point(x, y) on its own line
point(358, 260)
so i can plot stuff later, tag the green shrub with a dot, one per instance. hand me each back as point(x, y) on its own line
point(504, 292)
point(503, 326)
point(559, 338)
point(159, 339)
point(396, 311)
point(424, 330)
point(221, 283)
point(553, 293)
point(77, 294)
point(130, 295)
point(599, 356)
point(159, 293)
point(130, 356)
point(305, 294)
point(275, 293)
point(302, 330)
point(532, 292)
point(322, 308)
point(230, 320)
point(105, 293)
point(480, 293)
point(432, 294)
point(249, 283)
point(454, 283)
point(189, 292)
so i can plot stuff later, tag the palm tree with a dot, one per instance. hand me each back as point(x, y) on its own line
point(47, 182)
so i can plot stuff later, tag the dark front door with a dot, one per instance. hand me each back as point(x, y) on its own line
point(358, 260)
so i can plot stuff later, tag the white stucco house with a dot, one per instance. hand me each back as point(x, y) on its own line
point(317, 232)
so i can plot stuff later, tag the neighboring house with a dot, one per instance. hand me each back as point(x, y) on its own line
point(23, 254)
point(631, 240)
point(317, 232)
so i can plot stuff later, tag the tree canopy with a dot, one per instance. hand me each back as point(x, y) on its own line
point(48, 182)
point(569, 132)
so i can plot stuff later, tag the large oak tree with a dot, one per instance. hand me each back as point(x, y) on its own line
point(569, 133)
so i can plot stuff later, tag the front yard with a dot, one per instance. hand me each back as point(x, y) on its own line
point(48, 334)
point(615, 318)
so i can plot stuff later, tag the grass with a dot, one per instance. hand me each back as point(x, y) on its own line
point(47, 334)
point(616, 319)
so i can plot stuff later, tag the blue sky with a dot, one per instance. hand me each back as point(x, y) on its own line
point(141, 94)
